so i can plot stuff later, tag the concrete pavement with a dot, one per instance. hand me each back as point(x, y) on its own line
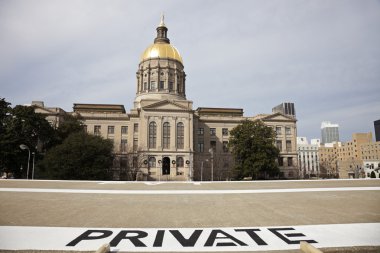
point(191, 210)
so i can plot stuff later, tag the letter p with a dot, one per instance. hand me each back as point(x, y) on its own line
point(98, 234)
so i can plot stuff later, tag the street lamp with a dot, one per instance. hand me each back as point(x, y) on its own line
point(34, 156)
point(211, 150)
point(202, 169)
point(23, 147)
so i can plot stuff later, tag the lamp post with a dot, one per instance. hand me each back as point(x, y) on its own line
point(159, 170)
point(201, 171)
point(23, 147)
point(211, 150)
point(190, 162)
point(34, 156)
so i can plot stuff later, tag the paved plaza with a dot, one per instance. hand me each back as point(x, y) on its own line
point(190, 216)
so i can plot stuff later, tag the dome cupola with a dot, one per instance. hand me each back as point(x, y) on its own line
point(161, 75)
point(161, 47)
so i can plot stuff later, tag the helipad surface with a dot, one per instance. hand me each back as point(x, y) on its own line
point(193, 216)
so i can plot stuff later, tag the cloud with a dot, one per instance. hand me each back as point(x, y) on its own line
point(322, 55)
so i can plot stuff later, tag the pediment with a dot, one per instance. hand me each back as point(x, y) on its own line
point(41, 110)
point(278, 117)
point(167, 105)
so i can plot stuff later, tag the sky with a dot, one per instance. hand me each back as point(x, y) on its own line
point(322, 55)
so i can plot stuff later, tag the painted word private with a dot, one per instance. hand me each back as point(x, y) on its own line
point(192, 238)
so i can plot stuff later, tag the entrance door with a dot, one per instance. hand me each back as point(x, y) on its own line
point(166, 166)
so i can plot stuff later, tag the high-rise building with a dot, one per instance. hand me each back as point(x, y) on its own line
point(377, 129)
point(285, 108)
point(329, 132)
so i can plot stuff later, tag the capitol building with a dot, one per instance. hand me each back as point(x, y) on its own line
point(163, 137)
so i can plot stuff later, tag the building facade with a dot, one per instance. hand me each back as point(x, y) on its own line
point(376, 125)
point(285, 108)
point(350, 159)
point(350, 155)
point(328, 161)
point(54, 115)
point(163, 138)
point(308, 158)
point(329, 132)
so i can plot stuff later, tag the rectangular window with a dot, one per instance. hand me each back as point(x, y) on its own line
point(162, 85)
point(212, 131)
point(279, 145)
point(180, 135)
point(200, 146)
point(224, 131)
point(111, 130)
point(288, 146)
point(152, 134)
point(171, 85)
point(280, 161)
point(135, 144)
point(290, 161)
point(278, 130)
point(85, 128)
point(136, 127)
point(124, 130)
point(145, 86)
point(225, 146)
point(200, 131)
point(288, 131)
point(123, 145)
point(97, 130)
point(123, 162)
point(153, 85)
point(166, 135)
point(213, 145)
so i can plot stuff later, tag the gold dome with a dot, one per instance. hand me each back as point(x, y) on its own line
point(161, 50)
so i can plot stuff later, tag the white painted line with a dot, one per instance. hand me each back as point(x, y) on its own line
point(189, 239)
point(203, 182)
point(153, 183)
point(188, 192)
point(113, 182)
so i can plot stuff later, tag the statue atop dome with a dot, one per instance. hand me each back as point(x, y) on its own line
point(162, 32)
point(162, 23)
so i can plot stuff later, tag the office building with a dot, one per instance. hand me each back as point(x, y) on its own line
point(285, 108)
point(376, 125)
point(329, 132)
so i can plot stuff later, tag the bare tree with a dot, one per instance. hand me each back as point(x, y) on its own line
point(131, 165)
point(328, 167)
point(223, 164)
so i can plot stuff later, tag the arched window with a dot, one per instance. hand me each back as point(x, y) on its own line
point(180, 135)
point(152, 134)
point(166, 135)
point(152, 162)
point(180, 162)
